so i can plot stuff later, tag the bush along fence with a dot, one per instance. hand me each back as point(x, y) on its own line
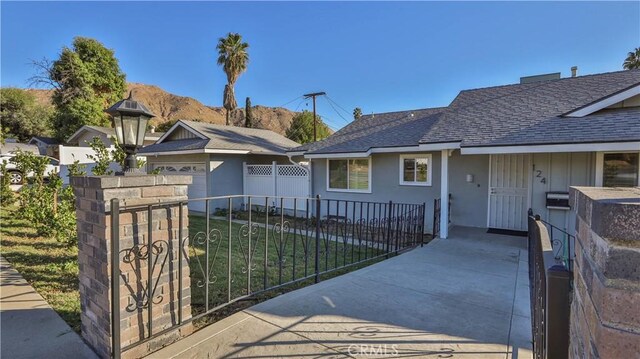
point(43, 199)
point(175, 268)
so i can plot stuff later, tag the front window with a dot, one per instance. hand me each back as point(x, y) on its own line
point(349, 175)
point(620, 170)
point(415, 170)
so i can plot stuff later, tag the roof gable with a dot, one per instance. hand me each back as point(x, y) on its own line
point(211, 138)
point(605, 102)
point(180, 131)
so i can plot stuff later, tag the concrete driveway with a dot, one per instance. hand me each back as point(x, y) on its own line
point(463, 297)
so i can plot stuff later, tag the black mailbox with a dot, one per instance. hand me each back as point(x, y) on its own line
point(558, 200)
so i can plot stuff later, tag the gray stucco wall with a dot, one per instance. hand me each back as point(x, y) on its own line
point(469, 200)
point(385, 184)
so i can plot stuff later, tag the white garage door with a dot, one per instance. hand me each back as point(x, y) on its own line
point(198, 188)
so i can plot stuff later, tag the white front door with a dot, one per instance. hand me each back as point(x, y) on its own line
point(509, 191)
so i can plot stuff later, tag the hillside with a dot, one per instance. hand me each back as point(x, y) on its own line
point(169, 107)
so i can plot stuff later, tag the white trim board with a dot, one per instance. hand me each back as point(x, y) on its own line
point(579, 147)
point(605, 102)
point(404, 149)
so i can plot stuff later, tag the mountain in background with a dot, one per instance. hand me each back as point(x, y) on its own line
point(169, 107)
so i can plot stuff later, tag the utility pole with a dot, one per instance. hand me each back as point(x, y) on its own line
point(313, 95)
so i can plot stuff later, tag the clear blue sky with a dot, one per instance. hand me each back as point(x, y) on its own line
point(378, 56)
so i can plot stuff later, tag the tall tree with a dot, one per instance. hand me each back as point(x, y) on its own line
point(86, 79)
point(633, 60)
point(301, 129)
point(357, 113)
point(248, 113)
point(233, 57)
point(22, 116)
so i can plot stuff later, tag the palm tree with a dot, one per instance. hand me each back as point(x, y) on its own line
point(233, 57)
point(357, 113)
point(633, 60)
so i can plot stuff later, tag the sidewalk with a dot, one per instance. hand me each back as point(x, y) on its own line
point(29, 328)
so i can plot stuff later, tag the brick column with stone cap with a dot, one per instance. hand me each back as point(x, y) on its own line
point(605, 310)
point(93, 203)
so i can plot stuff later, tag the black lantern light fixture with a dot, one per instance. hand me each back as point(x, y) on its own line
point(130, 119)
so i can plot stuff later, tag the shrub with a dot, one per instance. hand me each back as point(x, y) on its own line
point(51, 207)
point(7, 197)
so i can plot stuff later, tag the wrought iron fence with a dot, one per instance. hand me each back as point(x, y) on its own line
point(550, 288)
point(247, 245)
point(562, 243)
point(437, 209)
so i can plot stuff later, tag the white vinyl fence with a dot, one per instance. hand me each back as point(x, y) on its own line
point(278, 180)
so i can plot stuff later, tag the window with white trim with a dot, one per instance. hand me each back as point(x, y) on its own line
point(621, 169)
point(349, 174)
point(415, 170)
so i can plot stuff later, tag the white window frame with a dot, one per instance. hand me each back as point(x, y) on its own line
point(599, 182)
point(329, 189)
point(415, 156)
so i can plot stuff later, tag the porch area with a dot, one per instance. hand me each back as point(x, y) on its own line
point(462, 297)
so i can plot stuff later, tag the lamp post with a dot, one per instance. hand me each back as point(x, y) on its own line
point(130, 119)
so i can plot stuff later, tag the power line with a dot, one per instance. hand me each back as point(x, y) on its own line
point(290, 101)
point(336, 111)
point(337, 104)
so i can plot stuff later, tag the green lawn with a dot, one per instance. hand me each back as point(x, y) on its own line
point(49, 266)
point(281, 258)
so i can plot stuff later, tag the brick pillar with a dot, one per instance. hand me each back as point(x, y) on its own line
point(605, 310)
point(93, 202)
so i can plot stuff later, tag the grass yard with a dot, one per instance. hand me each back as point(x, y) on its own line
point(49, 266)
point(283, 254)
point(52, 268)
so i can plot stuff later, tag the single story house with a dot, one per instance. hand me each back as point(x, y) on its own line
point(77, 147)
point(10, 146)
point(86, 133)
point(216, 157)
point(497, 151)
point(48, 146)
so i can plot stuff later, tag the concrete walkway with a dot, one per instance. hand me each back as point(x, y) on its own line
point(29, 327)
point(464, 297)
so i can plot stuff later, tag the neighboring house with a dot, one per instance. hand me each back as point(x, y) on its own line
point(216, 157)
point(48, 146)
point(10, 145)
point(498, 151)
point(77, 147)
point(86, 133)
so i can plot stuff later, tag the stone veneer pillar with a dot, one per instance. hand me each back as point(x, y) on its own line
point(605, 310)
point(93, 203)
